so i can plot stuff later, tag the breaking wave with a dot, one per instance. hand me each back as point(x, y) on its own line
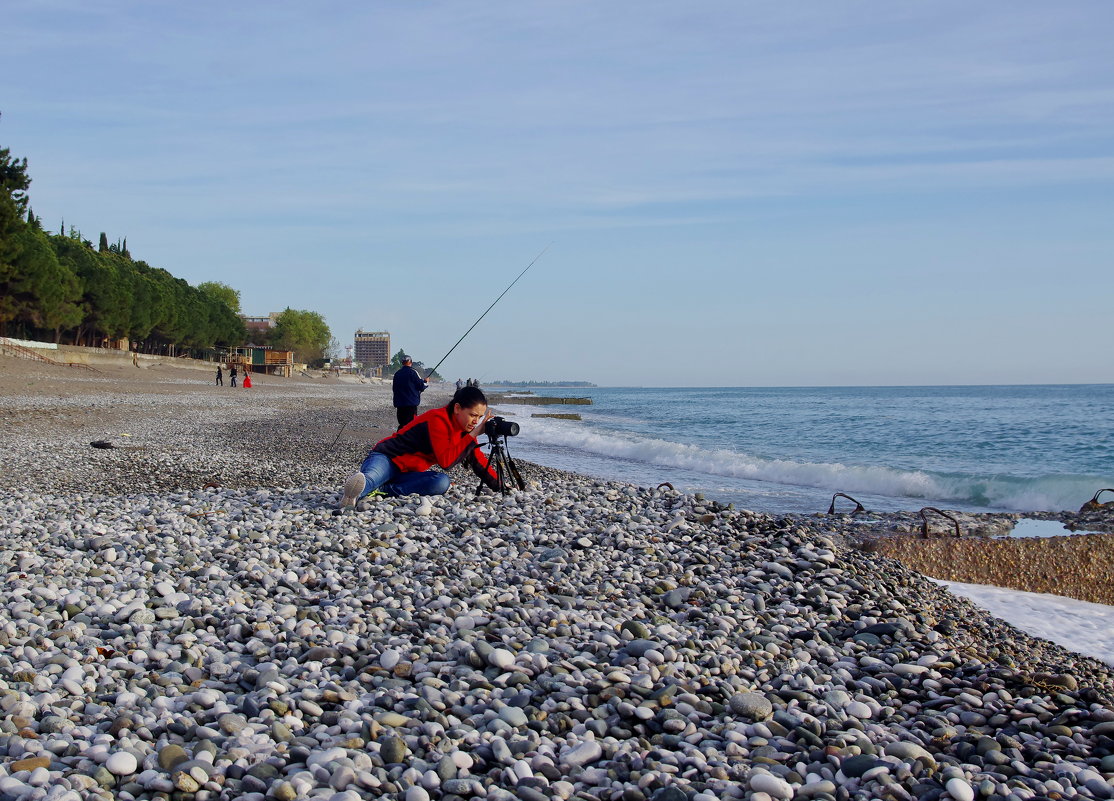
point(1054, 492)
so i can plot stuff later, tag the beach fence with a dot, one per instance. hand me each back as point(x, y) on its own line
point(28, 349)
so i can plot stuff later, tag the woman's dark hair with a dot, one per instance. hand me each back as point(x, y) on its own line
point(467, 397)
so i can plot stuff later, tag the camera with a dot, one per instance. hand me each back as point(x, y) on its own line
point(500, 427)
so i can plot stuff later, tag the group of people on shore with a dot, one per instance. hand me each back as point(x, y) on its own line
point(401, 463)
point(232, 373)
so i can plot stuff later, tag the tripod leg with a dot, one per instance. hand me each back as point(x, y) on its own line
point(500, 470)
point(514, 472)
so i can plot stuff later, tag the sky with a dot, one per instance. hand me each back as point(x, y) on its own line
point(727, 193)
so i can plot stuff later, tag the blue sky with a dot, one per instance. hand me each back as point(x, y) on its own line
point(734, 193)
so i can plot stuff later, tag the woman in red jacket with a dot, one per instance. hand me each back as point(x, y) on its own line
point(446, 436)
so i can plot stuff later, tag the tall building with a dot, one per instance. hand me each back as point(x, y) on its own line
point(373, 348)
point(259, 325)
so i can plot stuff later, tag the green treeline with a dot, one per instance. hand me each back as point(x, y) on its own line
point(61, 288)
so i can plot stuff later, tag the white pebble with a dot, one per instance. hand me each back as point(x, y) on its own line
point(122, 763)
point(960, 790)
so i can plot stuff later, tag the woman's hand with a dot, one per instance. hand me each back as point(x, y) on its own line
point(475, 432)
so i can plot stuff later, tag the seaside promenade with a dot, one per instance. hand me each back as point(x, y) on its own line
point(185, 617)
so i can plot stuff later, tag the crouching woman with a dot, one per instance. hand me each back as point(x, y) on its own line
point(446, 436)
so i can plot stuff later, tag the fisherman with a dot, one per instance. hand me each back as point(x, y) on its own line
point(408, 388)
point(445, 436)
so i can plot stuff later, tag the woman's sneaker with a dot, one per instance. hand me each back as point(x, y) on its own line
point(353, 488)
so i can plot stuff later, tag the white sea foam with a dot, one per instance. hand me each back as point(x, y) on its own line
point(1057, 492)
point(1084, 627)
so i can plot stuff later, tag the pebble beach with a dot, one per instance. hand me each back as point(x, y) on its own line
point(185, 617)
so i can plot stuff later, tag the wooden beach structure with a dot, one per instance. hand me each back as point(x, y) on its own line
point(263, 359)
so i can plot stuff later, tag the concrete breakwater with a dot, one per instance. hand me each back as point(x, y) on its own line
point(538, 400)
point(1075, 566)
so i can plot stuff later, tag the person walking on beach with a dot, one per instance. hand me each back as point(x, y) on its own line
point(232, 376)
point(445, 436)
point(408, 388)
point(220, 376)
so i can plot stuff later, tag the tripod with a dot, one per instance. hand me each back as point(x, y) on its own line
point(501, 462)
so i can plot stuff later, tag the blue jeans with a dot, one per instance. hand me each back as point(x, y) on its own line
point(381, 474)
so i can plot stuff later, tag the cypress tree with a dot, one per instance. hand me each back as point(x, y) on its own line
point(103, 245)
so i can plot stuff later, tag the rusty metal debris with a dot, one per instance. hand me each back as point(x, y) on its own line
point(924, 521)
point(665, 484)
point(1094, 504)
point(102, 443)
point(858, 506)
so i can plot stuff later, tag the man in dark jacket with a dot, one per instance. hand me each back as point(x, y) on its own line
point(408, 389)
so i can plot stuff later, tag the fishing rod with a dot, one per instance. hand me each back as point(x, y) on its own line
point(489, 308)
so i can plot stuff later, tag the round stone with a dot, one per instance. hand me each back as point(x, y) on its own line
point(855, 766)
point(960, 789)
point(773, 786)
point(172, 755)
point(754, 706)
point(513, 716)
point(122, 763)
point(636, 628)
point(501, 658)
point(857, 709)
point(392, 749)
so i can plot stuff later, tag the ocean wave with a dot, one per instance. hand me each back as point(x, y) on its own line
point(1014, 493)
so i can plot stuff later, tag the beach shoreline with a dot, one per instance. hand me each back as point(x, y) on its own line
point(188, 614)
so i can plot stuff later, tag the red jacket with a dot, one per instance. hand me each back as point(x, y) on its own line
point(431, 438)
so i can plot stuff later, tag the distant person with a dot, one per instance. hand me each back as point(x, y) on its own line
point(220, 376)
point(408, 388)
point(232, 376)
point(445, 436)
point(459, 384)
point(247, 380)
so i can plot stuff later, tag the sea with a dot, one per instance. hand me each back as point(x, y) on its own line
point(789, 450)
